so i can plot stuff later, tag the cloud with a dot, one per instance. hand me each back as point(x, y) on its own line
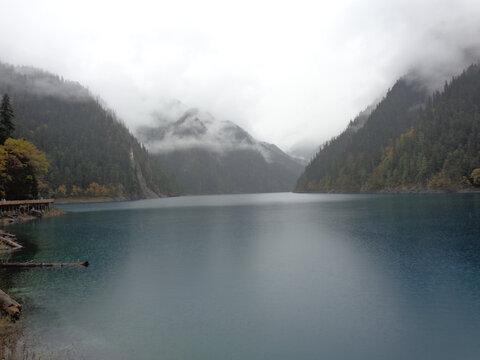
point(177, 127)
point(12, 79)
point(286, 71)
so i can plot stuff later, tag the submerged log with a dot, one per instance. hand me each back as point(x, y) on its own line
point(32, 264)
point(13, 244)
point(10, 306)
point(9, 240)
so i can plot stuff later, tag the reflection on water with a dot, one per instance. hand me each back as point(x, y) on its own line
point(268, 276)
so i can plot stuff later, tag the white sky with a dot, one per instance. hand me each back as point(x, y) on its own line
point(286, 71)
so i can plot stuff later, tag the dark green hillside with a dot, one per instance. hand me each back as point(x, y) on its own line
point(443, 150)
point(345, 162)
point(90, 152)
point(201, 171)
point(438, 147)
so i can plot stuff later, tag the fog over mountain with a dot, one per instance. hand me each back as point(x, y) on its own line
point(34, 81)
point(208, 155)
point(178, 127)
point(288, 73)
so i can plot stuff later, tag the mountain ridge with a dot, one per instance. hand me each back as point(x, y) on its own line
point(88, 147)
point(411, 142)
point(191, 141)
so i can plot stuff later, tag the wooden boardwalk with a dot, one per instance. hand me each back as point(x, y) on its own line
point(24, 206)
point(23, 202)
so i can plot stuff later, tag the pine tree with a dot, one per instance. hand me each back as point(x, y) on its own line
point(6, 119)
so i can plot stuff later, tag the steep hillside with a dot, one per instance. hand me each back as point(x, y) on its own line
point(90, 152)
point(443, 151)
point(345, 162)
point(403, 146)
point(210, 156)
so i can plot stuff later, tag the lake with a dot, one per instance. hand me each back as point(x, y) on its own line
point(264, 276)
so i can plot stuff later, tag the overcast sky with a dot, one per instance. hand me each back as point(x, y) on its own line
point(286, 71)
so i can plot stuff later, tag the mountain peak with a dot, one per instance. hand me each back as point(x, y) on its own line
point(193, 129)
point(208, 155)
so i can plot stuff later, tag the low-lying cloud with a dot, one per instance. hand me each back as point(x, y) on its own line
point(25, 79)
point(290, 72)
point(179, 128)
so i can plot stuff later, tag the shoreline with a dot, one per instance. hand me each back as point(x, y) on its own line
point(405, 191)
point(22, 218)
point(10, 308)
point(85, 200)
point(101, 199)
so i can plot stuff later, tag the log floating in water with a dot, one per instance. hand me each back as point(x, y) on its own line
point(32, 264)
point(10, 306)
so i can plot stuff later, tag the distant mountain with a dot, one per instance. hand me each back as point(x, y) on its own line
point(410, 142)
point(207, 155)
point(303, 153)
point(90, 151)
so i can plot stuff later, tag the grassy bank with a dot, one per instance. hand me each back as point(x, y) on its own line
point(12, 343)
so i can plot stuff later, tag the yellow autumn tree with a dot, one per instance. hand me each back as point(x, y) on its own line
point(76, 191)
point(61, 191)
point(3, 171)
point(476, 177)
point(22, 168)
point(94, 189)
point(29, 154)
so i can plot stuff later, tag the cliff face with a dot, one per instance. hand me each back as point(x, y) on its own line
point(145, 191)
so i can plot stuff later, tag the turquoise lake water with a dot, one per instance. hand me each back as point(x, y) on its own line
point(264, 276)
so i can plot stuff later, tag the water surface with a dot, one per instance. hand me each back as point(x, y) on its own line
point(265, 276)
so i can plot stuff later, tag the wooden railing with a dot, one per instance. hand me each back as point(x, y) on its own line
point(26, 202)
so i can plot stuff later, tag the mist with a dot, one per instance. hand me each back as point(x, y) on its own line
point(289, 73)
point(30, 80)
point(177, 127)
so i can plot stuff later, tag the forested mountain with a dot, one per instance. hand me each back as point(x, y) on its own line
point(208, 156)
point(90, 152)
point(408, 142)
